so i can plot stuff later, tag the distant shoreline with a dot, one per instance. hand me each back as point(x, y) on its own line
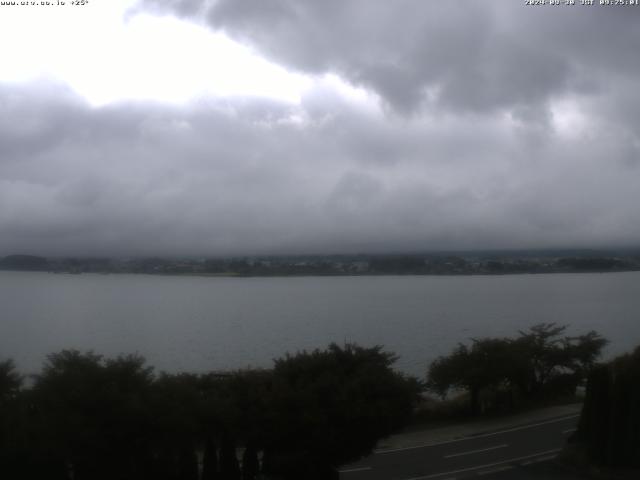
point(286, 275)
point(338, 265)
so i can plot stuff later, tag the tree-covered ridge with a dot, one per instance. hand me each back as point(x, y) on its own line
point(87, 417)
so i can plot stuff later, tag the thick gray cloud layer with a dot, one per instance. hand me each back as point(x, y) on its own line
point(500, 126)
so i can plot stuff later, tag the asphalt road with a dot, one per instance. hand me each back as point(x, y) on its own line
point(488, 454)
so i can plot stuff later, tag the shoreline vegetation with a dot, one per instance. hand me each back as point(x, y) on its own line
point(87, 417)
point(469, 263)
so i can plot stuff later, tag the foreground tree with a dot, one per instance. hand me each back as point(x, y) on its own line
point(540, 362)
point(10, 381)
point(10, 427)
point(331, 407)
point(91, 418)
point(552, 358)
point(609, 427)
point(91, 415)
point(491, 363)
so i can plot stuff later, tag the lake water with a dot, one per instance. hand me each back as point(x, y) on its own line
point(208, 323)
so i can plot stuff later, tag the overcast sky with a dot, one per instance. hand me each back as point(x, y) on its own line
point(194, 127)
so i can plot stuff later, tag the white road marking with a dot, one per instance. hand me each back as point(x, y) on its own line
point(470, 452)
point(358, 469)
point(571, 430)
point(488, 465)
point(539, 459)
point(496, 470)
point(484, 435)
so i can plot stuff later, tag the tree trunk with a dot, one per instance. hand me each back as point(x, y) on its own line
point(474, 401)
point(210, 461)
point(250, 464)
point(229, 466)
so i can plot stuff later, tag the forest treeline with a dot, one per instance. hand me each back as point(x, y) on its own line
point(321, 265)
point(86, 417)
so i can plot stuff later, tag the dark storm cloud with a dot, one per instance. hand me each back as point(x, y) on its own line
point(498, 126)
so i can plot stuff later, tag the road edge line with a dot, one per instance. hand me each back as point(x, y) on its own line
point(472, 437)
point(488, 465)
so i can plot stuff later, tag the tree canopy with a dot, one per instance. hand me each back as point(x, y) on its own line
point(538, 362)
point(337, 403)
point(87, 417)
point(10, 381)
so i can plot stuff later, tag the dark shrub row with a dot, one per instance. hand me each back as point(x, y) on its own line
point(90, 418)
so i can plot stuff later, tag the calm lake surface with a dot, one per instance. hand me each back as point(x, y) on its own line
point(208, 323)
